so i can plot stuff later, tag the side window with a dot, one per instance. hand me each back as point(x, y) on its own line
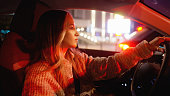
point(101, 30)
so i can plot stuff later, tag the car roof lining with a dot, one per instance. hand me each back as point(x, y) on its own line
point(8, 6)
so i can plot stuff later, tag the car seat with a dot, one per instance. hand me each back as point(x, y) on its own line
point(14, 56)
point(13, 60)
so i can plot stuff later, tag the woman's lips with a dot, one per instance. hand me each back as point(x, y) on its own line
point(76, 39)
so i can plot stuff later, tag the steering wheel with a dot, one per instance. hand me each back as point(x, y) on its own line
point(152, 83)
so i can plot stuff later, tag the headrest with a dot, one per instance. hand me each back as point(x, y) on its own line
point(12, 51)
point(13, 55)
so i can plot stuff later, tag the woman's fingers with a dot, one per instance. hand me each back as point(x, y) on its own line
point(154, 44)
point(167, 39)
point(156, 41)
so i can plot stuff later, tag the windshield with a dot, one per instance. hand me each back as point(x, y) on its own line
point(161, 6)
point(102, 30)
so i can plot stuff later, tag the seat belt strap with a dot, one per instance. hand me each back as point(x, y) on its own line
point(76, 83)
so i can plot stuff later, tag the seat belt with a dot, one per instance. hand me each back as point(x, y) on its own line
point(76, 82)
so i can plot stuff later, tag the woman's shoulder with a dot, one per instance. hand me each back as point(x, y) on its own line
point(38, 73)
point(37, 67)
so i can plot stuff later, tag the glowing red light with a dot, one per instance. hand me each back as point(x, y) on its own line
point(139, 29)
point(124, 46)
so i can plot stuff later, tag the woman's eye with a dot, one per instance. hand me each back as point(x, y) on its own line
point(72, 27)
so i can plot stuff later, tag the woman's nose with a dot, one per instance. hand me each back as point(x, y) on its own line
point(77, 33)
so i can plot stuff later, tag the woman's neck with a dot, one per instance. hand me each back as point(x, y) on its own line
point(63, 50)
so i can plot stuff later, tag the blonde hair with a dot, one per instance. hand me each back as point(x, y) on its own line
point(50, 34)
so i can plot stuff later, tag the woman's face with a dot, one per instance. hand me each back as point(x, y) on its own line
point(71, 36)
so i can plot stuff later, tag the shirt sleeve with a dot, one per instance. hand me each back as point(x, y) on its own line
point(101, 68)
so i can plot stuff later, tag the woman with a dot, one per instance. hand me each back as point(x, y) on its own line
point(57, 64)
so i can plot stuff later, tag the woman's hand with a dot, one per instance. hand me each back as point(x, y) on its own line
point(154, 44)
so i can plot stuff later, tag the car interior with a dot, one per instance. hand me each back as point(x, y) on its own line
point(150, 77)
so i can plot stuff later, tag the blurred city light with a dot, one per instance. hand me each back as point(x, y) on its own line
point(119, 25)
point(78, 29)
point(93, 20)
point(139, 28)
point(124, 46)
point(82, 29)
point(117, 16)
point(128, 36)
point(118, 34)
point(4, 31)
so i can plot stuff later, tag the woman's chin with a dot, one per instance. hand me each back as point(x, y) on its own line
point(74, 46)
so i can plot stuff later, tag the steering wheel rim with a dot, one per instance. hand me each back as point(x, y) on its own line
point(163, 67)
